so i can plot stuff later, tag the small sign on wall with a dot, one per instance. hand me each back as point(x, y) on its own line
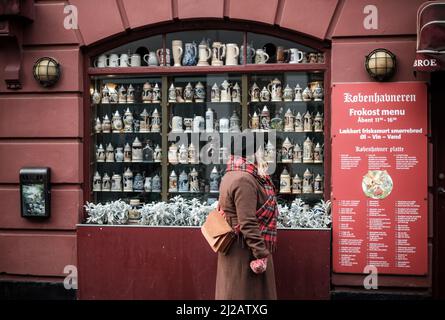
point(35, 192)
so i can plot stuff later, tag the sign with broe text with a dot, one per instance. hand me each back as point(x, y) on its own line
point(379, 177)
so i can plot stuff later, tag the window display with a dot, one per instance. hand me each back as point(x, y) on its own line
point(155, 137)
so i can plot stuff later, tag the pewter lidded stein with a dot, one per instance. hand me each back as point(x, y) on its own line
point(308, 151)
point(156, 183)
point(136, 150)
point(130, 94)
point(117, 122)
point(106, 182)
point(173, 182)
point(214, 180)
point(194, 181)
point(122, 94)
point(105, 94)
point(285, 182)
point(226, 95)
point(138, 183)
point(288, 121)
point(307, 182)
point(318, 184)
point(265, 119)
point(97, 182)
point(183, 182)
point(155, 121)
point(109, 154)
point(296, 184)
point(128, 180)
point(269, 154)
point(307, 125)
point(147, 93)
point(204, 53)
point(287, 151)
point(199, 92)
point(100, 153)
point(234, 122)
point(128, 121)
point(144, 124)
point(275, 90)
point(236, 93)
point(106, 125)
point(156, 97)
point(318, 122)
point(215, 94)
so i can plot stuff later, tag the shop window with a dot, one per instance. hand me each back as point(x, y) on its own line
point(160, 130)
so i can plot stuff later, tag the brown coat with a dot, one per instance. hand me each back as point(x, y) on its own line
point(240, 197)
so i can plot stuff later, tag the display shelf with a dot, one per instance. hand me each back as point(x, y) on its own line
point(182, 70)
point(134, 104)
point(128, 192)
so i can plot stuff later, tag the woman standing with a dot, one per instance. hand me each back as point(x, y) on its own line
point(248, 200)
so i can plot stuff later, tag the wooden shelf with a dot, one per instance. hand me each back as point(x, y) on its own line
point(249, 68)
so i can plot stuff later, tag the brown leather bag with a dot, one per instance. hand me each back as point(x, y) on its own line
point(218, 233)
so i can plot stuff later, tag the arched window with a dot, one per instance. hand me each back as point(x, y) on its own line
point(164, 110)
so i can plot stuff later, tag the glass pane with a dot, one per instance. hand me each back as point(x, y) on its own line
point(126, 127)
point(291, 105)
point(136, 53)
point(205, 47)
point(204, 111)
point(268, 49)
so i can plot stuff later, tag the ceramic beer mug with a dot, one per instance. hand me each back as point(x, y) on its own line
point(224, 124)
point(177, 52)
point(282, 55)
point(113, 60)
point(101, 61)
point(124, 60)
point(232, 54)
point(135, 60)
point(261, 57)
point(218, 53)
point(198, 124)
point(163, 59)
point(151, 58)
point(250, 53)
point(190, 54)
point(295, 56)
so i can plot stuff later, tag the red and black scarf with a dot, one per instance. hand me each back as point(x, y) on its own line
point(268, 213)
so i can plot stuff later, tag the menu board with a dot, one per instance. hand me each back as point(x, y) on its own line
point(379, 177)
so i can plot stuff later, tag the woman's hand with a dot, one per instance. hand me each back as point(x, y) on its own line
point(259, 265)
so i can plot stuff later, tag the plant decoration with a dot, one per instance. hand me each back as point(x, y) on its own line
point(299, 215)
point(179, 211)
point(114, 212)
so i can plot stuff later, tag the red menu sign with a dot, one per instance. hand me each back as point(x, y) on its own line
point(379, 177)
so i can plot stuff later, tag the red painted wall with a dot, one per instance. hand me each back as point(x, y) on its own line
point(44, 126)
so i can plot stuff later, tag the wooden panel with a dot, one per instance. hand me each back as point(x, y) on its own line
point(37, 253)
point(131, 262)
point(62, 156)
point(98, 19)
point(55, 116)
point(144, 12)
point(311, 17)
point(200, 9)
point(350, 22)
point(48, 27)
point(69, 59)
point(264, 11)
point(66, 208)
point(348, 58)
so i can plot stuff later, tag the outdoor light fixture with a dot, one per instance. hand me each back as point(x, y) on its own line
point(46, 71)
point(381, 64)
point(35, 192)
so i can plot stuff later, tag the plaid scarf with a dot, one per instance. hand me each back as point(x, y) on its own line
point(268, 213)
